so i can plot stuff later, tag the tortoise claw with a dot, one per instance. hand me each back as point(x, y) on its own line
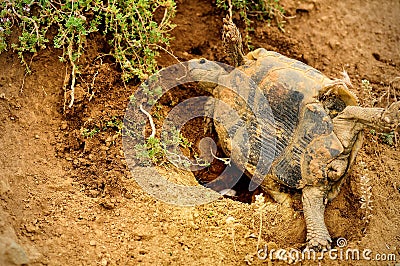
point(391, 116)
point(319, 243)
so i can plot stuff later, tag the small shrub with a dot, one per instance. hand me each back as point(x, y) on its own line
point(133, 32)
point(115, 124)
point(89, 133)
point(368, 90)
point(157, 151)
point(386, 138)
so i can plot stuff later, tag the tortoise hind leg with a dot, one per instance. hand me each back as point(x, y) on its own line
point(316, 186)
point(314, 207)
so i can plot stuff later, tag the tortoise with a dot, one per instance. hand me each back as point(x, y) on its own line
point(318, 126)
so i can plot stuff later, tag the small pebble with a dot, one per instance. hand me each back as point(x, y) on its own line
point(64, 126)
point(230, 220)
point(30, 228)
point(228, 192)
point(94, 193)
point(92, 242)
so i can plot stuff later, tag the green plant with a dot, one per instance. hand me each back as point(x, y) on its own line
point(157, 114)
point(387, 138)
point(157, 151)
point(366, 85)
point(151, 149)
point(173, 137)
point(266, 10)
point(367, 89)
point(134, 34)
point(201, 162)
point(152, 92)
point(132, 99)
point(116, 124)
point(89, 133)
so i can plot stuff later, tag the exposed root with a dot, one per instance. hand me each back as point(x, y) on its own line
point(73, 76)
point(92, 85)
point(230, 221)
point(230, 10)
point(153, 127)
point(226, 161)
point(28, 71)
point(65, 84)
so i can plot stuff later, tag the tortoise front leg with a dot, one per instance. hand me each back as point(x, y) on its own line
point(355, 118)
point(314, 207)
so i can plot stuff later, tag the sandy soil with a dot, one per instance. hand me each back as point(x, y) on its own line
point(66, 199)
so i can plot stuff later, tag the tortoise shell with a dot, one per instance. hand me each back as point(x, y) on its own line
point(302, 101)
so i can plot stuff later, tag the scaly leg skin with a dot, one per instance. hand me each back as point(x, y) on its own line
point(377, 118)
point(318, 237)
point(233, 42)
point(336, 173)
point(391, 116)
point(355, 118)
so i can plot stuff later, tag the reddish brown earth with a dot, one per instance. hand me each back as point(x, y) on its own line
point(70, 200)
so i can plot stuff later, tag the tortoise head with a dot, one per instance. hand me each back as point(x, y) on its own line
point(206, 72)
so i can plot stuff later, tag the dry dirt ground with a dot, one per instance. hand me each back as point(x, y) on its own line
point(67, 199)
